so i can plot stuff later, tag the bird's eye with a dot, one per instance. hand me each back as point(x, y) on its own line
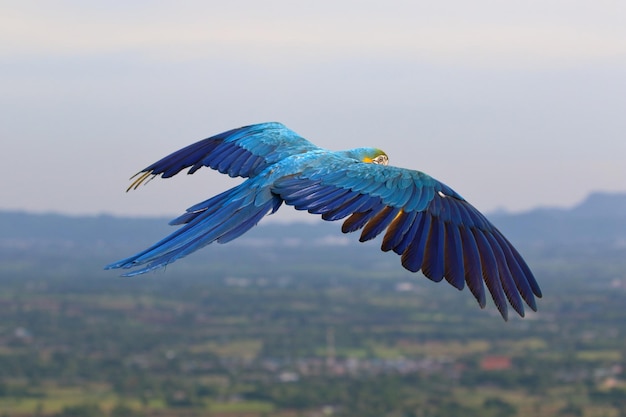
point(381, 160)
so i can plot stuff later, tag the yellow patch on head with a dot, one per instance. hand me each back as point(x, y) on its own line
point(368, 160)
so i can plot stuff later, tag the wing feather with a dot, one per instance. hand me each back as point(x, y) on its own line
point(397, 230)
point(355, 203)
point(506, 279)
point(357, 220)
point(522, 280)
point(454, 271)
point(433, 265)
point(410, 234)
point(378, 223)
point(413, 256)
point(472, 266)
point(427, 223)
point(490, 272)
point(242, 152)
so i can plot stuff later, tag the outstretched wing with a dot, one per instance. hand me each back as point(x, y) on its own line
point(243, 152)
point(432, 227)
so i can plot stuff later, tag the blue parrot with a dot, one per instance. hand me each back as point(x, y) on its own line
point(428, 224)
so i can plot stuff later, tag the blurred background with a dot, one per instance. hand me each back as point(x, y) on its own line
point(517, 105)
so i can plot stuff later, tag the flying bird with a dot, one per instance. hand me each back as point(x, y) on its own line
point(424, 221)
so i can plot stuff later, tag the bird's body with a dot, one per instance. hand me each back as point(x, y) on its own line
point(432, 227)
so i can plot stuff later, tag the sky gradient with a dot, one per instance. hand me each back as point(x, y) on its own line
point(513, 104)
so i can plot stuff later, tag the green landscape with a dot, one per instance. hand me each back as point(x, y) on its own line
point(300, 320)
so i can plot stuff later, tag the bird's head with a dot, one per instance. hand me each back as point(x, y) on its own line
point(368, 155)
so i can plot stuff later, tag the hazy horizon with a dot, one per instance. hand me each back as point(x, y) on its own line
point(297, 216)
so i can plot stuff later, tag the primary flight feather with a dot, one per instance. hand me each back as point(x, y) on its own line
point(424, 221)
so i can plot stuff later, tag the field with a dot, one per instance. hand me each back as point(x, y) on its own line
point(260, 329)
point(323, 343)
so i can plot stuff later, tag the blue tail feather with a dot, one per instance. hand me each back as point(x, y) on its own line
point(221, 218)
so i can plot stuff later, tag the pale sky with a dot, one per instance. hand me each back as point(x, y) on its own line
point(514, 104)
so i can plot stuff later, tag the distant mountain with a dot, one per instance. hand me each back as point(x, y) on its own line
point(79, 229)
point(602, 204)
point(599, 219)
